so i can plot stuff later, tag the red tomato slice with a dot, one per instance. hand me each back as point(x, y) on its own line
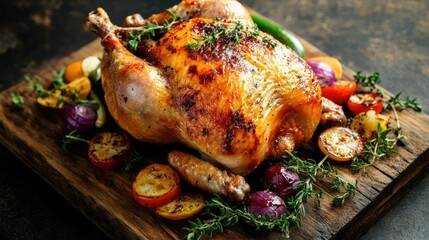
point(156, 185)
point(340, 92)
point(109, 149)
point(363, 102)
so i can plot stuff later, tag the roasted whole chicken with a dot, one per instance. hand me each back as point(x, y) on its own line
point(239, 97)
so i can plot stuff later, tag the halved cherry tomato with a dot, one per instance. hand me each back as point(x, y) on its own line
point(340, 144)
point(363, 102)
point(156, 185)
point(339, 92)
point(185, 206)
point(109, 149)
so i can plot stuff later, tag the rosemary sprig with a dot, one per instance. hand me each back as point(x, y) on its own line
point(227, 34)
point(148, 30)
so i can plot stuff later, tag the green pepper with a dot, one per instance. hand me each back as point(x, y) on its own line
point(101, 110)
point(279, 33)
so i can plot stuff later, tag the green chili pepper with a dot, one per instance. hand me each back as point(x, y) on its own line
point(279, 33)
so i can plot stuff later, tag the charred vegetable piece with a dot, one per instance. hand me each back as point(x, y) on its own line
point(109, 149)
point(340, 144)
point(363, 102)
point(78, 88)
point(340, 91)
point(366, 124)
point(185, 206)
point(156, 185)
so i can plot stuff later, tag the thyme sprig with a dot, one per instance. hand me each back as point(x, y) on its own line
point(402, 104)
point(321, 171)
point(149, 30)
point(383, 145)
point(133, 158)
point(221, 31)
point(71, 138)
point(373, 80)
point(222, 215)
point(370, 81)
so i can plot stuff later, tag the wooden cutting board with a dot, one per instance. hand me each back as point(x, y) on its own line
point(104, 196)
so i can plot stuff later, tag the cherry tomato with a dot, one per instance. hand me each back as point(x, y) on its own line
point(185, 206)
point(363, 102)
point(340, 144)
point(340, 91)
point(156, 185)
point(109, 149)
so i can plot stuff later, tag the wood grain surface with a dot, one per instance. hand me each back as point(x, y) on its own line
point(104, 196)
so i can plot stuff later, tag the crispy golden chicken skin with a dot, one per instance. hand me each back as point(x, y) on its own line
point(237, 102)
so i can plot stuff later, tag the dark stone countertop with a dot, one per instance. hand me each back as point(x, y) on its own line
point(388, 36)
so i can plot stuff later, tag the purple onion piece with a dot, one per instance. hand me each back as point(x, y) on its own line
point(268, 204)
point(280, 180)
point(80, 117)
point(324, 72)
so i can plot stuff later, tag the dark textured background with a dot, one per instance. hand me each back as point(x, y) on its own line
point(388, 36)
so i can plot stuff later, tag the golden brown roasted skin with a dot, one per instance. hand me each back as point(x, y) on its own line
point(238, 104)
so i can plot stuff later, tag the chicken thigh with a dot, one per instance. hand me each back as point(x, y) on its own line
point(239, 99)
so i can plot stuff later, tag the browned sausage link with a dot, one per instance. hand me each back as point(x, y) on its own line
point(207, 177)
point(332, 114)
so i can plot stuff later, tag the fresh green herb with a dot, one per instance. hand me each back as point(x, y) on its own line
point(133, 158)
point(373, 80)
point(63, 95)
point(370, 81)
point(148, 30)
point(17, 100)
point(72, 138)
point(403, 104)
point(322, 171)
point(383, 145)
point(58, 78)
point(227, 34)
point(222, 215)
